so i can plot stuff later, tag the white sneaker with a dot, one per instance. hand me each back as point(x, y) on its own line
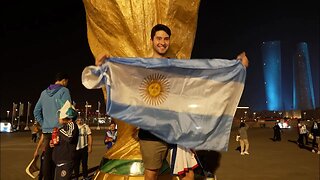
point(246, 153)
point(318, 152)
point(313, 151)
point(242, 153)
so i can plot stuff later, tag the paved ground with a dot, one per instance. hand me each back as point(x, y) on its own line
point(268, 160)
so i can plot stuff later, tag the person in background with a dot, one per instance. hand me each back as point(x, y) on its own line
point(315, 130)
point(111, 135)
point(45, 113)
point(244, 142)
point(303, 134)
point(65, 143)
point(84, 147)
point(276, 132)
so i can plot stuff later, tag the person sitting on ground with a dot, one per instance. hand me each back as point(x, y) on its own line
point(111, 135)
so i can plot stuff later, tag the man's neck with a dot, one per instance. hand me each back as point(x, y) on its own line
point(58, 82)
point(155, 55)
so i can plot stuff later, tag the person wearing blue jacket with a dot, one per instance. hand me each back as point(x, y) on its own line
point(46, 114)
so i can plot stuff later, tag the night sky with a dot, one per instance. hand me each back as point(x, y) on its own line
point(41, 38)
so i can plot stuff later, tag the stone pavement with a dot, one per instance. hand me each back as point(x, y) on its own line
point(268, 160)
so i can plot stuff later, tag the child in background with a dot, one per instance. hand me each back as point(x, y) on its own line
point(64, 146)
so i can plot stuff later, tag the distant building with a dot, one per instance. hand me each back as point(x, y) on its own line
point(271, 56)
point(303, 91)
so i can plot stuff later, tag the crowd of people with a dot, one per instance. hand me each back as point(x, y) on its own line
point(65, 140)
point(305, 135)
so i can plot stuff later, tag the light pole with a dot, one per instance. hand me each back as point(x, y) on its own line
point(21, 108)
point(86, 115)
point(98, 111)
point(28, 113)
point(254, 116)
point(8, 114)
point(14, 106)
point(245, 115)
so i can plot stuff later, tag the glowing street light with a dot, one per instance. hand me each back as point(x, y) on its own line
point(98, 111)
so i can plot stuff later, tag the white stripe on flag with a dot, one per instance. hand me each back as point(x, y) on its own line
point(183, 93)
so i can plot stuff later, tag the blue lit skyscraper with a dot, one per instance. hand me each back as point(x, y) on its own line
point(303, 92)
point(271, 56)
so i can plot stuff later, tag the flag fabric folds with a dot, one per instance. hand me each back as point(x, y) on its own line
point(186, 102)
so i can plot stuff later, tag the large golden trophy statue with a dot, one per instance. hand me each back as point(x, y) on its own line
point(121, 28)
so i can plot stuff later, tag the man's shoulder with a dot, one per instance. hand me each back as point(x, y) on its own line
point(87, 128)
point(64, 89)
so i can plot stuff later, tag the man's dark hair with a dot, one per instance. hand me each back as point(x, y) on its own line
point(160, 27)
point(61, 75)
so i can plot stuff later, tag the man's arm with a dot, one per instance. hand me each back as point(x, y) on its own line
point(89, 143)
point(89, 139)
point(36, 152)
point(37, 112)
point(100, 59)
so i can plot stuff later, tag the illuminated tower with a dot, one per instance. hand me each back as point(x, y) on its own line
point(303, 93)
point(271, 56)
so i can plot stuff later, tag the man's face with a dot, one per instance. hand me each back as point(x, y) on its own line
point(161, 43)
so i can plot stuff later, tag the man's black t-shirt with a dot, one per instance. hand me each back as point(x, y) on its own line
point(146, 135)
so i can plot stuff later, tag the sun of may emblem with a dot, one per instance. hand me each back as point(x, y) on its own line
point(154, 89)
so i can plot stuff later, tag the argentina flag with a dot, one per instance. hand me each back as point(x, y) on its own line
point(187, 102)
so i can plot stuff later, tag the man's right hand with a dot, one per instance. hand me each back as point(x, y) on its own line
point(100, 59)
point(243, 58)
point(35, 154)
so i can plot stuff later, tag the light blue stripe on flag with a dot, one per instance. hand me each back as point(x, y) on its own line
point(185, 102)
point(188, 130)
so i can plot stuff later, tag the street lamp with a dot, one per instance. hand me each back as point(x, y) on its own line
point(28, 113)
point(86, 114)
point(245, 115)
point(254, 115)
point(14, 106)
point(98, 111)
point(8, 114)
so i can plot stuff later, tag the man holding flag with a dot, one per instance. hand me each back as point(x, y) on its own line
point(154, 90)
point(153, 149)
